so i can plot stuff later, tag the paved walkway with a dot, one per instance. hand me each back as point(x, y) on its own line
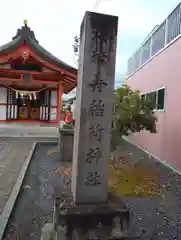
point(28, 130)
point(13, 154)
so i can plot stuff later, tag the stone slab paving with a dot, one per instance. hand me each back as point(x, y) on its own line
point(31, 131)
point(13, 153)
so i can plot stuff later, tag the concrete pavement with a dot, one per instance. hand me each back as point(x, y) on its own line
point(28, 130)
point(13, 154)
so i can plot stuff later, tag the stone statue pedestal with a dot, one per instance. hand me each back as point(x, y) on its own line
point(90, 221)
point(66, 142)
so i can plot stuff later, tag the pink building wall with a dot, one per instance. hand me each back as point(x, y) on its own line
point(164, 70)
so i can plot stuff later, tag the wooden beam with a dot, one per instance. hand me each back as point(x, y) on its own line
point(70, 79)
point(14, 71)
point(10, 80)
point(44, 82)
point(68, 83)
point(38, 75)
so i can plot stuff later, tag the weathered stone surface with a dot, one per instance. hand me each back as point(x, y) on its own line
point(47, 232)
point(95, 221)
point(66, 141)
point(94, 108)
point(12, 157)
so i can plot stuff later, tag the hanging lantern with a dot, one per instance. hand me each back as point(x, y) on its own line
point(21, 94)
point(34, 94)
point(30, 97)
point(76, 45)
point(16, 95)
point(76, 49)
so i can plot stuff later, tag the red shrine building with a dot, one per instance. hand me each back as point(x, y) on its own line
point(32, 80)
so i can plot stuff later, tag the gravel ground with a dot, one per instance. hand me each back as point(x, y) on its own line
point(154, 218)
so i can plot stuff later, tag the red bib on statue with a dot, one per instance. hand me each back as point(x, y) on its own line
point(68, 117)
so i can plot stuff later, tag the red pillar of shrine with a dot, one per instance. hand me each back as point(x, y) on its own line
point(59, 103)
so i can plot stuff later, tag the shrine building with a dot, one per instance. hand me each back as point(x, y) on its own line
point(32, 80)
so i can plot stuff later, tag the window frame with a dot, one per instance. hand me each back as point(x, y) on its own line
point(156, 90)
point(161, 110)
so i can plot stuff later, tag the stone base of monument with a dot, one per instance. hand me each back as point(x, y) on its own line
point(47, 232)
point(90, 221)
point(66, 139)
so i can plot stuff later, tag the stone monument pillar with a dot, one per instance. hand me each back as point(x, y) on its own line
point(87, 211)
point(98, 38)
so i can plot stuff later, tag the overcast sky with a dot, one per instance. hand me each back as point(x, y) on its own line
point(56, 22)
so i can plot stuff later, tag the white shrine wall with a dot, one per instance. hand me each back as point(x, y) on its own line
point(3, 102)
point(53, 104)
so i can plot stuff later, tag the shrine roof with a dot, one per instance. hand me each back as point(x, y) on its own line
point(25, 34)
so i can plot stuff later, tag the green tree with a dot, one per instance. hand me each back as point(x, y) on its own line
point(132, 113)
point(131, 175)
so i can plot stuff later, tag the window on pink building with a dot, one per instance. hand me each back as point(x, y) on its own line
point(157, 98)
point(151, 97)
point(160, 99)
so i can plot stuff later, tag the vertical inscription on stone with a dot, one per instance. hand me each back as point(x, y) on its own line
point(96, 108)
point(96, 86)
point(93, 156)
point(96, 131)
point(92, 179)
